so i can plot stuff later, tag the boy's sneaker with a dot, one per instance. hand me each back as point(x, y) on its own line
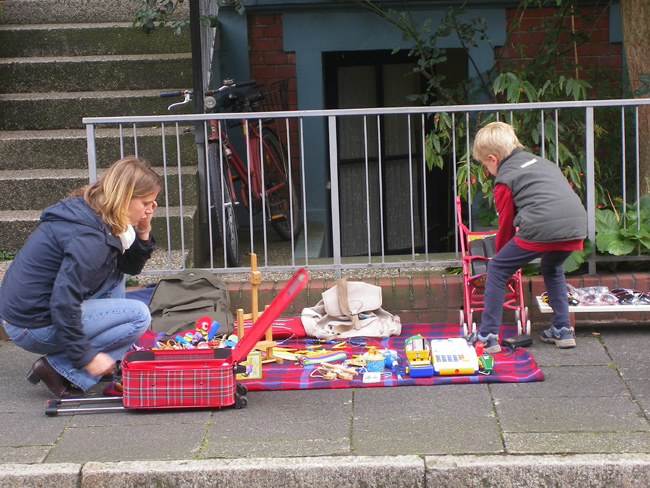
point(563, 337)
point(490, 342)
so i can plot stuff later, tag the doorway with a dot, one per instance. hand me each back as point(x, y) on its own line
point(374, 162)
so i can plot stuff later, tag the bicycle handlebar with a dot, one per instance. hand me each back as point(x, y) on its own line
point(227, 84)
point(242, 84)
point(171, 93)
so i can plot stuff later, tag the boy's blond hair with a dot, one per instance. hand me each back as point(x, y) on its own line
point(497, 138)
point(111, 194)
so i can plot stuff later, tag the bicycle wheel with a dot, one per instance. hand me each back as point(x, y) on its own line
point(222, 200)
point(281, 203)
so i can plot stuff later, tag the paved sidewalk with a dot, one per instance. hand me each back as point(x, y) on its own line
point(587, 424)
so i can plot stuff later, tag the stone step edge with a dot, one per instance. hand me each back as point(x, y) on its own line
point(74, 11)
point(100, 132)
point(92, 59)
point(66, 26)
point(573, 470)
point(34, 215)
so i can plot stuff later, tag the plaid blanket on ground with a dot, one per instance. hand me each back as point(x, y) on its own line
point(509, 367)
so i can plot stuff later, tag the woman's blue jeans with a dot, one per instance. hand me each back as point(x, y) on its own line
point(111, 323)
point(506, 263)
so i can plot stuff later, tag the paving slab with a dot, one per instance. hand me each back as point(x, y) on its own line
point(572, 442)
point(433, 417)
point(119, 443)
point(283, 423)
point(640, 391)
point(566, 382)
point(589, 352)
point(628, 348)
point(160, 417)
point(20, 429)
point(597, 414)
point(23, 455)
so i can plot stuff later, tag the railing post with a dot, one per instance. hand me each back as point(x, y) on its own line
point(92, 152)
point(334, 186)
point(591, 187)
point(197, 98)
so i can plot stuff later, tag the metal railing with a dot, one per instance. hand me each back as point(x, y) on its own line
point(381, 152)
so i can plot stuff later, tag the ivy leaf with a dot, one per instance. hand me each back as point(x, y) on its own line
point(641, 90)
point(644, 78)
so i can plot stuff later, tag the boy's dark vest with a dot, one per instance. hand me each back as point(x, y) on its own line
point(546, 207)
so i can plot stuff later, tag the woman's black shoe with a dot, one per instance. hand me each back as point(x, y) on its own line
point(57, 384)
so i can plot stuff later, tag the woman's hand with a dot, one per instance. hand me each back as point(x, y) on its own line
point(100, 365)
point(144, 225)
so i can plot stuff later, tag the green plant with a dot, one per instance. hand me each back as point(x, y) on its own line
point(620, 230)
point(576, 259)
point(132, 281)
point(6, 255)
point(619, 233)
point(644, 86)
point(156, 14)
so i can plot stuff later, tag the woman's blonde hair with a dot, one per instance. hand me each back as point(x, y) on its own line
point(497, 138)
point(111, 194)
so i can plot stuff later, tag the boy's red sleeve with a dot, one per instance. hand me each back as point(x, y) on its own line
point(506, 210)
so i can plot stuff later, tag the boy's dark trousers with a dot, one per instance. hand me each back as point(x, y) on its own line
point(504, 264)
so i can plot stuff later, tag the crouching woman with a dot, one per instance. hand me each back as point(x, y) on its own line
point(63, 295)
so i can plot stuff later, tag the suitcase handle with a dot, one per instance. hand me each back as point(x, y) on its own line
point(176, 355)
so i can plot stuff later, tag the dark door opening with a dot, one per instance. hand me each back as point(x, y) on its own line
point(366, 79)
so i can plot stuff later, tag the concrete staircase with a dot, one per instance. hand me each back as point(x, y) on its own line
point(59, 65)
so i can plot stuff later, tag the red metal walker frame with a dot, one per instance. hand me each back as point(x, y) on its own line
point(474, 283)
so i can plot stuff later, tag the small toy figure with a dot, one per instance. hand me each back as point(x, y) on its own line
point(203, 326)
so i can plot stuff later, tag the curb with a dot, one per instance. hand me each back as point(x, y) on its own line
point(629, 470)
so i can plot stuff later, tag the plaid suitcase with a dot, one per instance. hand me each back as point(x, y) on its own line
point(173, 379)
point(188, 378)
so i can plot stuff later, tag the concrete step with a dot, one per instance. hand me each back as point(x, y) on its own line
point(67, 148)
point(52, 110)
point(40, 188)
point(17, 225)
point(106, 38)
point(75, 11)
point(165, 233)
point(101, 73)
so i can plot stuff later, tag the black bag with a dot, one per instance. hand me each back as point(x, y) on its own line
point(179, 300)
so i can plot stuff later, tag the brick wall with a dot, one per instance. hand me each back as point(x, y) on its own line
point(597, 52)
point(438, 299)
point(269, 63)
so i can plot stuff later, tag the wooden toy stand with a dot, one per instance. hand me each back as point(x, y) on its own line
point(267, 345)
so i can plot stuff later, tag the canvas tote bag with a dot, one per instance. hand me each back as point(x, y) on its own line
point(350, 309)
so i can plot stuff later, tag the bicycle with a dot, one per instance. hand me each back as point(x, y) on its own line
point(268, 186)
